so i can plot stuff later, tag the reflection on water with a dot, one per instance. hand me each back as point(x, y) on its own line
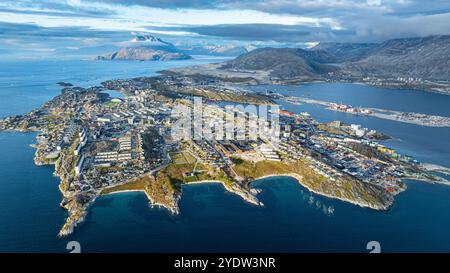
point(315, 202)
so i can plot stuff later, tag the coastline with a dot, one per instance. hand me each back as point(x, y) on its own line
point(172, 210)
point(299, 180)
point(246, 196)
point(77, 212)
point(77, 204)
point(251, 198)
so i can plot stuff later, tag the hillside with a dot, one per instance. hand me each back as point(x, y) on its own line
point(426, 58)
point(284, 62)
point(347, 51)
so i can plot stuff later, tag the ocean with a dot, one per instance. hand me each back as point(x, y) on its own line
point(211, 219)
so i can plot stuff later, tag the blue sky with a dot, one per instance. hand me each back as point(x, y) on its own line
point(52, 26)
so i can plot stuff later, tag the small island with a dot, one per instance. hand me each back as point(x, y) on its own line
point(64, 84)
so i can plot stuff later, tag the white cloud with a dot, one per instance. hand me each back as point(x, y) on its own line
point(374, 2)
point(74, 2)
point(133, 18)
point(338, 20)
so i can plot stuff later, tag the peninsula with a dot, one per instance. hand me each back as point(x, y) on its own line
point(102, 145)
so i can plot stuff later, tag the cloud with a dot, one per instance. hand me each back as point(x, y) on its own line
point(133, 18)
point(33, 31)
point(324, 8)
point(78, 23)
point(70, 8)
point(272, 6)
point(388, 27)
point(172, 4)
point(270, 32)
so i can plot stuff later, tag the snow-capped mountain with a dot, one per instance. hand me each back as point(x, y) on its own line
point(146, 48)
point(217, 50)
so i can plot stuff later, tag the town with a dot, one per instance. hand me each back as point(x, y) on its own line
point(120, 136)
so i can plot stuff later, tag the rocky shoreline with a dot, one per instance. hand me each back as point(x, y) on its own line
point(174, 208)
point(299, 179)
point(251, 198)
point(165, 188)
point(78, 211)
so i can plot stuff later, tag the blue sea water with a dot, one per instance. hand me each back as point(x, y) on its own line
point(25, 85)
point(211, 219)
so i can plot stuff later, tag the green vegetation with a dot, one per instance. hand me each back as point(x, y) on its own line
point(301, 168)
point(167, 184)
point(214, 94)
point(138, 184)
point(179, 174)
point(234, 97)
point(332, 130)
point(164, 188)
point(253, 171)
point(182, 158)
point(159, 190)
point(112, 104)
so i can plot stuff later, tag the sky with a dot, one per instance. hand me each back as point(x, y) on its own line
point(52, 27)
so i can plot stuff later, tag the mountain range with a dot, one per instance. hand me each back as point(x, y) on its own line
point(150, 48)
point(424, 57)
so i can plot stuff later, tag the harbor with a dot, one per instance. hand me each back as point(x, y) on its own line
point(407, 117)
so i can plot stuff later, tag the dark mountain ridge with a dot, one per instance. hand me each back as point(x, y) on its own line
point(424, 58)
point(284, 62)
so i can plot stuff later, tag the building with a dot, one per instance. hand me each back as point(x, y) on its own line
point(79, 166)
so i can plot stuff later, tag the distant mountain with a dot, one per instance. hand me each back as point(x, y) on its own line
point(146, 48)
point(143, 54)
point(346, 51)
point(285, 62)
point(217, 50)
point(426, 58)
point(150, 39)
